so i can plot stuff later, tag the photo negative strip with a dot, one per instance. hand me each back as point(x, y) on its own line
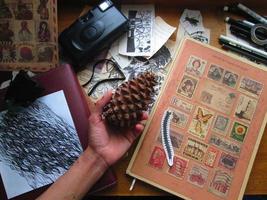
point(195, 149)
point(176, 139)
point(239, 132)
point(215, 72)
point(187, 86)
point(181, 104)
point(250, 87)
point(195, 66)
point(157, 158)
point(225, 144)
point(198, 176)
point(227, 161)
point(211, 156)
point(179, 119)
point(179, 167)
point(230, 79)
point(221, 183)
point(201, 122)
point(245, 108)
point(221, 124)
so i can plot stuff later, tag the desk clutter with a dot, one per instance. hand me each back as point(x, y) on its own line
point(206, 143)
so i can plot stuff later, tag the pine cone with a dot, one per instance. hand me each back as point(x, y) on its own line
point(130, 100)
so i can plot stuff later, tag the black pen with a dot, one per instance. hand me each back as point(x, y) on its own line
point(229, 41)
point(248, 55)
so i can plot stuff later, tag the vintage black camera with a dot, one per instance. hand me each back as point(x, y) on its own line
point(92, 32)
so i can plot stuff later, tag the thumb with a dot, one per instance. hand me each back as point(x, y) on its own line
point(103, 101)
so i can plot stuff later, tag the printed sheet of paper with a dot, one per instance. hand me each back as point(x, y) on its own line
point(161, 33)
point(139, 39)
point(28, 35)
point(37, 144)
point(191, 25)
point(219, 114)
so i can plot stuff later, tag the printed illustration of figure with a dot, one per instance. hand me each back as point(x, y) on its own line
point(43, 33)
point(26, 54)
point(5, 33)
point(4, 10)
point(24, 32)
point(215, 73)
point(23, 12)
point(45, 54)
point(195, 66)
point(43, 10)
point(7, 52)
point(230, 79)
point(187, 88)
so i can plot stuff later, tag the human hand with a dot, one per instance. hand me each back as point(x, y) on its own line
point(109, 143)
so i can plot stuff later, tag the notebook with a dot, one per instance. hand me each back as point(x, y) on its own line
point(63, 78)
point(218, 108)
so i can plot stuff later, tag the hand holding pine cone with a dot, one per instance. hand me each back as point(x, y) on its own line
point(130, 100)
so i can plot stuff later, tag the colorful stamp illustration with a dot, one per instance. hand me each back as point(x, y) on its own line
point(195, 149)
point(157, 158)
point(6, 31)
point(26, 52)
point(211, 156)
point(250, 87)
point(23, 10)
point(198, 176)
point(217, 97)
point(201, 122)
point(228, 161)
point(187, 86)
point(179, 118)
point(7, 52)
point(43, 10)
point(225, 144)
point(245, 108)
point(25, 31)
point(230, 79)
point(239, 131)
point(221, 183)
point(182, 105)
point(176, 139)
point(221, 124)
point(43, 32)
point(5, 11)
point(45, 53)
point(215, 72)
point(195, 66)
point(179, 167)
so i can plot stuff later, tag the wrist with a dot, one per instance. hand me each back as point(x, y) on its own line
point(89, 155)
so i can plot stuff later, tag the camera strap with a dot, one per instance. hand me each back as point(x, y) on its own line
point(105, 61)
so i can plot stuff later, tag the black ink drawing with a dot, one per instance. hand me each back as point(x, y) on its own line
point(37, 144)
point(139, 34)
point(192, 20)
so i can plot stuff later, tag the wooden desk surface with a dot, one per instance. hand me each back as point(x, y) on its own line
point(213, 19)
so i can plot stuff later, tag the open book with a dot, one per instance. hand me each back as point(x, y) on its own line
point(218, 118)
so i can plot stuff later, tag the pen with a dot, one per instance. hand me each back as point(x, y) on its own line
point(229, 41)
point(249, 55)
point(251, 13)
point(246, 25)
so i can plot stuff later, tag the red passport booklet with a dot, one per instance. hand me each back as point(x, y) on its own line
point(63, 78)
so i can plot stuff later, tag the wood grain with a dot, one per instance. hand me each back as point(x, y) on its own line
point(213, 19)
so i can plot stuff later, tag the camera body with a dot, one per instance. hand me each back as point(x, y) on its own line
point(92, 32)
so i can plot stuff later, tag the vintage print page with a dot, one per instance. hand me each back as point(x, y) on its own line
point(219, 110)
point(28, 35)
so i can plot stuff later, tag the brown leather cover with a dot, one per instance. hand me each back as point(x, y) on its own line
point(63, 78)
